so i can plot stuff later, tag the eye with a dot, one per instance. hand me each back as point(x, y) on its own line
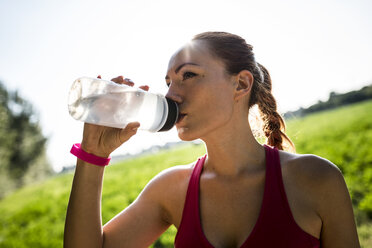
point(188, 74)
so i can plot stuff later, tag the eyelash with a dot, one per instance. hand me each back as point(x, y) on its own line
point(186, 75)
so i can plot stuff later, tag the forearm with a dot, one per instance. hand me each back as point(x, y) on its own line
point(83, 227)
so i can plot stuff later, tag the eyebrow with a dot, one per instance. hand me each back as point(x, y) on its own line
point(180, 66)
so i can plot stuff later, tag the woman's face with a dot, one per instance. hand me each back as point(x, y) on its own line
point(204, 91)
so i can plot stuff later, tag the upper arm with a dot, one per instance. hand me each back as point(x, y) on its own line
point(141, 223)
point(334, 208)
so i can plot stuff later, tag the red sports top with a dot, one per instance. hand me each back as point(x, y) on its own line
point(275, 226)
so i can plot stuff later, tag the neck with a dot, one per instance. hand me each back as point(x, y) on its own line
point(233, 151)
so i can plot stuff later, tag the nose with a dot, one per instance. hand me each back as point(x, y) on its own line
point(174, 93)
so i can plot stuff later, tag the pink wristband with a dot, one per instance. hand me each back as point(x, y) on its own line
point(88, 157)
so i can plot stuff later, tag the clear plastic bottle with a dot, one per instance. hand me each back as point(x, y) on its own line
point(106, 103)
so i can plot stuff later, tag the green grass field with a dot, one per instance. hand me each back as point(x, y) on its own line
point(34, 216)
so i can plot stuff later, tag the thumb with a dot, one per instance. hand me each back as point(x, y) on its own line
point(127, 132)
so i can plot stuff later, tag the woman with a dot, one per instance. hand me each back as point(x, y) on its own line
point(241, 194)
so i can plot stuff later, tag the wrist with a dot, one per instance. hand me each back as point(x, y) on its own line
point(94, 150)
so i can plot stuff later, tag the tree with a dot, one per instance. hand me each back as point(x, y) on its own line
point(22, 144)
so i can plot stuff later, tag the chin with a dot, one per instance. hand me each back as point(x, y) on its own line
point(185, 134)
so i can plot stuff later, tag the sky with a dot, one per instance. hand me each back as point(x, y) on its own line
point(310, 48)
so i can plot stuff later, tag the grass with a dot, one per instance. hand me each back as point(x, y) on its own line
point(34, 216)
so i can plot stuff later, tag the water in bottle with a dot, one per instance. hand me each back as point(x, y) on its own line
point(106, 103)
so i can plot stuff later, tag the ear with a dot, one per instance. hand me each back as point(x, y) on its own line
point(244, 84)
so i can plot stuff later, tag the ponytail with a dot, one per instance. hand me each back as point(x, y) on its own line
point(273, 123)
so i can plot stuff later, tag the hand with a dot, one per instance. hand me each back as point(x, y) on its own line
point(102, 141)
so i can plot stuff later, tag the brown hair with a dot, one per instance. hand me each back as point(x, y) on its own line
point(237, 55)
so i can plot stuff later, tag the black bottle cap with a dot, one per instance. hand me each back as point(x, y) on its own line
point(172, 115)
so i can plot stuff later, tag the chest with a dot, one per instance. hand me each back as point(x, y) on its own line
point(229, 209)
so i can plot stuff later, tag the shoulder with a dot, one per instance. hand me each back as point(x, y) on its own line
point(172, 176)
point(309, 166)
point(168, 189)
point(324, 187)
point(318, 177)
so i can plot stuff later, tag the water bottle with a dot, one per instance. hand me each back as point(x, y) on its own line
point(106, 103)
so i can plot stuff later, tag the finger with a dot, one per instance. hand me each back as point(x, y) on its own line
point(128, 82)
point(128, 131)
point(118, 79)
point(121, 80)
point(144, 87)
point(132, 125)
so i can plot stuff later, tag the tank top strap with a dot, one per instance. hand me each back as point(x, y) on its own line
point(274, 189)
point(275, 194)
point(273, 168)
point(192, 196)
point(190, 230)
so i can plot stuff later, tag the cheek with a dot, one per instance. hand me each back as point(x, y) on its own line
point(217, 107)
point(219, 112)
